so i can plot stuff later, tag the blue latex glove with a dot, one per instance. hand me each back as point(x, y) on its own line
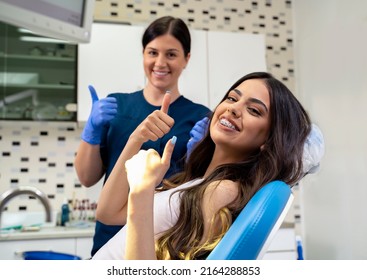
point(313, 150)
point(103, 111)
point(196, 134)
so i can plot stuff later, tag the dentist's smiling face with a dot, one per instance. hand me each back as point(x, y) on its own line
point(164, 60)
point(241, 123)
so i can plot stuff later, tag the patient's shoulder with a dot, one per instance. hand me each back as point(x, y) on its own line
point(223, 191)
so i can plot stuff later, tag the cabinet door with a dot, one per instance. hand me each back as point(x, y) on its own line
point(193, 83)
point(231, 56)
point(111, 62)
point(283, 246)
point(84, 247)
point(11, 250)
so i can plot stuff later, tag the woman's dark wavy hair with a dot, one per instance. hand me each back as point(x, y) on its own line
point(168, 25)
point(279, 159)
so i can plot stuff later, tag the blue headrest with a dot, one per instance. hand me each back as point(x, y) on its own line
point(251, 229)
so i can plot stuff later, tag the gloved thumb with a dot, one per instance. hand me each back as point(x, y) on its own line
point(93, 94)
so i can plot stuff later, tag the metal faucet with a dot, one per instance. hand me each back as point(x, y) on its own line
point(9, 194)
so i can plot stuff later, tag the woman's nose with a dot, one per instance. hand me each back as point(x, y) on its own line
point(161, 60)
point(234, 111)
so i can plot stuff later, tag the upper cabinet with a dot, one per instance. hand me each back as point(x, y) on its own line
point(193, 83)
point(231, 56)
point(37, 76)
point(113, 62)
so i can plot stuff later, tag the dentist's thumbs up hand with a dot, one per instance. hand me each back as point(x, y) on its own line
point(156, 125)
point(103, 111)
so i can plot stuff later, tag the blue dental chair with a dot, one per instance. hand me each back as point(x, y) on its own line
point(252, 232)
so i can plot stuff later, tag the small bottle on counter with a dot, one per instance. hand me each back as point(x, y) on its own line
point(65, 212)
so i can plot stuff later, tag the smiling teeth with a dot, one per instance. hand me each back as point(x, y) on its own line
point(227, 124)
point(160, 73)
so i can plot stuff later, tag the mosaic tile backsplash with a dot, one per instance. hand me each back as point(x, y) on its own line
point(41, 154)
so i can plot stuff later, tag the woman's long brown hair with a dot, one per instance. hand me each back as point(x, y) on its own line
point(280, 159)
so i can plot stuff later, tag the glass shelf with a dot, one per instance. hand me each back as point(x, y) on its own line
point(39, 86)
point(37, 57)
point(37, 79)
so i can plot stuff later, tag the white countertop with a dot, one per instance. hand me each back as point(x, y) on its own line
point(49, 233)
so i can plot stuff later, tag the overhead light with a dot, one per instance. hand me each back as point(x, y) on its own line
point(42, 40)
point(23, 30)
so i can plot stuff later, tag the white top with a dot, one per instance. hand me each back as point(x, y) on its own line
point(166, 212)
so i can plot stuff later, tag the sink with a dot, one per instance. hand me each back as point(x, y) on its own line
point(26, 219)
point(16, 221)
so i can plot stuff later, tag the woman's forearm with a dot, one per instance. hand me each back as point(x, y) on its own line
point(88, 164)
point(112, 201)
point(140, 225)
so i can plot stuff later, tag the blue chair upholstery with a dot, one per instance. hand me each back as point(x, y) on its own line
point(251, 233)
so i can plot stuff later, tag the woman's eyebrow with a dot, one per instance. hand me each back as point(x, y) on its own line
point(251, 99)
point(255, 100)
point(169, 50)
point(237, 91)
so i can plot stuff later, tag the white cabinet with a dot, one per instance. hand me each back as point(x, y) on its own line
point(283, 246)
point(231, 56)
point(83, 247)
point(79, 246)
point(193, 83)
point(113, 62)
point(11, 250)
point(218, 59)
point(74, 241)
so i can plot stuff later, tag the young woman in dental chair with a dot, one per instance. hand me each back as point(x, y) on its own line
point(256, 135)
